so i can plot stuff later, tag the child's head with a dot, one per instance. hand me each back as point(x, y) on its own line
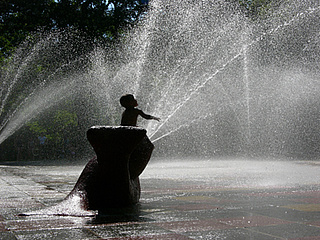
point(128, 100)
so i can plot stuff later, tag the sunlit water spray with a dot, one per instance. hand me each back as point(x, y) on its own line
point(193, 65)
point(202, 84)
point(34, 105)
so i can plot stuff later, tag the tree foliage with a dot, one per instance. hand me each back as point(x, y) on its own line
point(98, 19)
point(256, 8)
point(55, 126)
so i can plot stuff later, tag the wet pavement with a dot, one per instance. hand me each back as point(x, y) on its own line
point(199, 199)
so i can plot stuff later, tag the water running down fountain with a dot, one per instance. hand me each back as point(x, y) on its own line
point(222, 84)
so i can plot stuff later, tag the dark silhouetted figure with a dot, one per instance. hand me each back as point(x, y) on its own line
point(130, 115)
point(111, 179)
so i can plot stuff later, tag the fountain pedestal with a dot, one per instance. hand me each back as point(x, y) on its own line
point(112, 178)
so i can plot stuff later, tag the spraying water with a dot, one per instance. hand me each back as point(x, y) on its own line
point(221, 83)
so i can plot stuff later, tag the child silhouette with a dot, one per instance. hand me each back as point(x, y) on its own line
point(131, 113)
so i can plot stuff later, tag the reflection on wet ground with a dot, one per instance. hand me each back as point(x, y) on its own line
point(199, 199)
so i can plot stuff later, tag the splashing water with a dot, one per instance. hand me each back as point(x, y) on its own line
point(219, 81)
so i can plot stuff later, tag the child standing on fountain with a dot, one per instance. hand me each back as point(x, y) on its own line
point(140, 157)
point(131, 113)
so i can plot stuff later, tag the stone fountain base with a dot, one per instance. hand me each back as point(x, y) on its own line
point(111, 179)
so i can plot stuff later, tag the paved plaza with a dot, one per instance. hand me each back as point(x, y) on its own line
point(197, 199)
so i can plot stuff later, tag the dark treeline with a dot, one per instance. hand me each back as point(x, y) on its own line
point(102, 19)
point(98, 19)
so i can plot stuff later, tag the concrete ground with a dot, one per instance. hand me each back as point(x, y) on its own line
point(198, 199)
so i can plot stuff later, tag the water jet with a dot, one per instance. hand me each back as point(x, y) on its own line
point(242, 86)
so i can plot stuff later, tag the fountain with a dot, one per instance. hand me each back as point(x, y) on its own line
point(223, 85)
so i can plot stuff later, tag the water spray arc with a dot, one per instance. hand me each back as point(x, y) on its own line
point(196, 69)
point(242, 52)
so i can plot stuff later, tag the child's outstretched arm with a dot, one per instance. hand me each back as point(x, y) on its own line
point(156, 118)
point(147, 116)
